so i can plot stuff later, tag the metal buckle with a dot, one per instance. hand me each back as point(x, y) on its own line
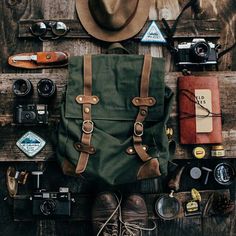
point(135, 130)
point(89, 122)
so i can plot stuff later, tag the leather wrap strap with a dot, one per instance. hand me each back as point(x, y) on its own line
point(87, 126)
point(143, 108)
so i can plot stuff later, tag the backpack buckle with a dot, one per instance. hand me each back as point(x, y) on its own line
point(87, 126)
point(138, 129)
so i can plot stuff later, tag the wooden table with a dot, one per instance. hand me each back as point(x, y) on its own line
point(216, 20)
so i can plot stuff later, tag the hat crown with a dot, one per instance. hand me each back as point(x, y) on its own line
point(113, 14)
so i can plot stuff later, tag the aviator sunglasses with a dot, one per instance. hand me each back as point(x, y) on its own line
point(58, 29)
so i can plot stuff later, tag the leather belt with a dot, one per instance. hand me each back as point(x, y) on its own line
point(143, 102)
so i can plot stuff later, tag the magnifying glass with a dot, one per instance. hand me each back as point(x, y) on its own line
point(167, 206)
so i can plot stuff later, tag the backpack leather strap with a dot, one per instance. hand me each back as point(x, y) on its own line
point(143, 102)
point(87, 126)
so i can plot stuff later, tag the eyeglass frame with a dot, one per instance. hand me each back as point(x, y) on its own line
point(49, 27)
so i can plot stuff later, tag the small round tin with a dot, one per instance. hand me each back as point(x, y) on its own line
point(199, 152)
point(224, 173)
point(195, 173)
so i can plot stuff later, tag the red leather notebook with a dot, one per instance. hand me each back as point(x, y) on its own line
point(199, 110)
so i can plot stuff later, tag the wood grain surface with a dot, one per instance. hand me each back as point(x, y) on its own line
point(214, 19)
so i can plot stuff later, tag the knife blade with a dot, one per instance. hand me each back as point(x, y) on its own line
point(25, 58)
point(42, 57)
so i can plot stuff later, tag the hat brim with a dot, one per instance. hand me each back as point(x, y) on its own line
point(94, 29)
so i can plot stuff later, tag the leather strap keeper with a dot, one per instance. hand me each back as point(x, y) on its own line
point(80, 147)
point(148, 101)
point(131, 150)
point(82, 99)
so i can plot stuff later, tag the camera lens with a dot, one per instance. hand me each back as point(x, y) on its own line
point(22, 87)
point(29, 116)
point(200, 51)
point(47, 207)
point(46, 88)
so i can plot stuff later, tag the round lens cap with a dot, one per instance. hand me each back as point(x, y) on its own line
point(46, 88)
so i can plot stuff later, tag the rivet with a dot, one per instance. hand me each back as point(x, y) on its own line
point(150, 101)
point(80, 99)
point(94, 99)
point(86, 110)
point(131, 150)
point(144, 148)
point(137, 100)
point(48, 56)
point(78, 145)
point(143, 112)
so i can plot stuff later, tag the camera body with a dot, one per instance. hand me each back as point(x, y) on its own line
point(31, 114)
point(199, 51)
point(52, 203)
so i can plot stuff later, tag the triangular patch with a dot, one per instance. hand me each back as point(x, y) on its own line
point(153, 34)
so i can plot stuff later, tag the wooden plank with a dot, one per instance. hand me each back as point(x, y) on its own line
point(11, 13)
point(185, 29)
point(81, 210)
point(227, 82)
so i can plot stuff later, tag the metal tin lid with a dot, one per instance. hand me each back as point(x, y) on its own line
point(199, 152)
point(217, 147)
point(195, 173)
point(224, 173)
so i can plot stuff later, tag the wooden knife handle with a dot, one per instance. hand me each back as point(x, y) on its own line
point(51, 57)
point(174, 183)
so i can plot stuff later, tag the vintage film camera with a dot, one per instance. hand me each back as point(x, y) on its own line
point(45, 203)
point(42, 203)
point(31, 114)
point(52, 203)
point(199, 51)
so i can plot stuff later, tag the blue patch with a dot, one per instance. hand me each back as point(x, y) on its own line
point(153, 34)
point(30, 143)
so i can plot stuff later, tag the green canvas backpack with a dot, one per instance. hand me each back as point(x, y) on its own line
point(113, 119)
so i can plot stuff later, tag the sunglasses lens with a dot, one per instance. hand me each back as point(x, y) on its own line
point(39, 28)
point(59, 28)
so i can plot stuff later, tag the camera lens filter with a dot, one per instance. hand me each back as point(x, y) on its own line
point(22, 88)
point(46, 88)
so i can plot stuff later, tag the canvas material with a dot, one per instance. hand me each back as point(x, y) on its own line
point(116, 81)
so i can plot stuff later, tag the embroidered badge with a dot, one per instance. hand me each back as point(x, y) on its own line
point(30, 143)
point(153, 34)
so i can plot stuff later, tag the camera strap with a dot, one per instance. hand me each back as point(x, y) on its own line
point(221, 54)
point(170, 31)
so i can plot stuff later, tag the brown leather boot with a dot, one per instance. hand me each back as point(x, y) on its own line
point(134, 216)
point(105, 215)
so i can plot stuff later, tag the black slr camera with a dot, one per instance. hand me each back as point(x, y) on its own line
point(31, 114)
point(52, 203)
point(199, 51)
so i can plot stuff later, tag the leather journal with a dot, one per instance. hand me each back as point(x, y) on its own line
point(199, 110)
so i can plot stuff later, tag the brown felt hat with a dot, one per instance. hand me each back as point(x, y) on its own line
point(113, 20)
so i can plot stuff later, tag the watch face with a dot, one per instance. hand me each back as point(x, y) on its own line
point(30, 143)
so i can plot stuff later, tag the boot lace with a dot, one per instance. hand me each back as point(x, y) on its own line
point(108, 228)
point(129, 229)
